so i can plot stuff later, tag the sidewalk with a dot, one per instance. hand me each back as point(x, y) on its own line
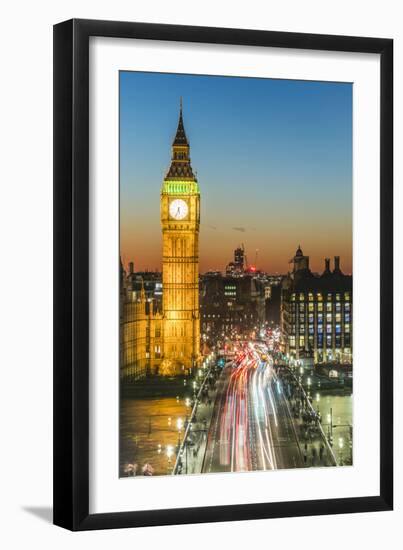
point(314, 445)
point(194, 447)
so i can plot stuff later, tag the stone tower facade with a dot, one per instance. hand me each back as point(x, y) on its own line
point(180, 220)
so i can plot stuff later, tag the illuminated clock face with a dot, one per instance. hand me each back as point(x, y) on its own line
point(178, 209)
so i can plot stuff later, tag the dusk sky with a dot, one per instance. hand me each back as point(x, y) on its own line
point(273, 161)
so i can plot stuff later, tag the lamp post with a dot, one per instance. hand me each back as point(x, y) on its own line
point(330, 426)
point(169, 452)
point(341, 445)
point(179, 425)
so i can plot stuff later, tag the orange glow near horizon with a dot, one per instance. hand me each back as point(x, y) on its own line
point(217, 249)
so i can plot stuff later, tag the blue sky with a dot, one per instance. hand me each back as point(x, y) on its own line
point(273, 160)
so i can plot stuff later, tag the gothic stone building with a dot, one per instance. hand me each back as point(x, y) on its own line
point(167, 340)
point(140, 332)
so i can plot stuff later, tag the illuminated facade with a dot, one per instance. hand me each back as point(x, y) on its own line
point(180, 220)
point(166, 340)
point(316, 313)
point(140, 331)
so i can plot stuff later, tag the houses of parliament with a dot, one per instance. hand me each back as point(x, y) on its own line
point(162, 335)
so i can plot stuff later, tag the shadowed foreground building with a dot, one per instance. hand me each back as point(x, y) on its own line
point(230, 305)
point(316, 313)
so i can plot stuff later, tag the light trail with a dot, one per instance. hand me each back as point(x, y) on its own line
point(249, 389)
point(254, 427)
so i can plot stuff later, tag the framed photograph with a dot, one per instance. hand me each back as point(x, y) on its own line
point(223, 322)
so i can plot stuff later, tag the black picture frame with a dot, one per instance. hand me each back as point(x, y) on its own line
point(71, 274)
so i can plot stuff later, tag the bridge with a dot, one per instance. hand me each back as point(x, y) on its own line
point(252, 416)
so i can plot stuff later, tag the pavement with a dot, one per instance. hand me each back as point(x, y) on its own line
point(310, 433)
point(194, 447)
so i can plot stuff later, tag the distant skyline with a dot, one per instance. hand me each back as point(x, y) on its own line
point(273, 160)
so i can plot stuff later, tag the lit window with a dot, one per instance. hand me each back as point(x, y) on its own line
point(320, 307)
point(320, 340)
point(319, 297)
point(338, 297)
point(329, 306)
point(338, 329)
point(347, 328)
point(329, 317)
point(301, 297)
point(329, 329)
point(302, 341)
point(310, 307)
point(293, 297)
point(347, 296)
point(346, 307)
point(310, 297)
point(320, 317)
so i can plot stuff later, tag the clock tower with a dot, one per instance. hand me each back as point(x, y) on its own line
point(180, 220)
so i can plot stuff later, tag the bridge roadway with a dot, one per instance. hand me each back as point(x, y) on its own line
point(252, 426)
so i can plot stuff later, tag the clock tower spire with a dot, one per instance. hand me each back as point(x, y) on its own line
point(180, 221)
point(180, 159)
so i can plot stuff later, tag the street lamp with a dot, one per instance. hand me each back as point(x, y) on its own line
point(330, 426)
point(179, 425)
point(341, 445)
point(170, 452)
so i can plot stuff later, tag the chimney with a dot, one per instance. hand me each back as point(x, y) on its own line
point(327, 265)
point(337, 264)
